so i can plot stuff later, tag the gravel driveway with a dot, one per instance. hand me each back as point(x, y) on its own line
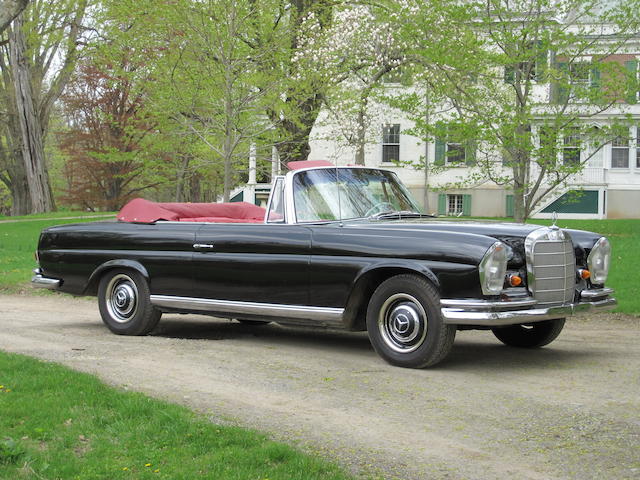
point(571, 410)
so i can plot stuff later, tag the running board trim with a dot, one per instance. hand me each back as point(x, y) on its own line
point(300, 312)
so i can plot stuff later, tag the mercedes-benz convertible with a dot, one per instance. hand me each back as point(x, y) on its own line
point(340, 247)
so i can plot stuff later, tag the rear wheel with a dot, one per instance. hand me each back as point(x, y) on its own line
point(123, 299)
point(534, 335)
point(405, 324)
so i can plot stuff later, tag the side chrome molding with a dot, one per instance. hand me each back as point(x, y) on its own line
point(303, 313)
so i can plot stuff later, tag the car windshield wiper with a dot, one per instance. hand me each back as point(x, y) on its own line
point(398, 214)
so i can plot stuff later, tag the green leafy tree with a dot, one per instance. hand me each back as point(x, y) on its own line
point(512, 83)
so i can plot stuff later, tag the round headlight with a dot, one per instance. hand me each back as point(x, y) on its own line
point(599, 260)
point(493, 268)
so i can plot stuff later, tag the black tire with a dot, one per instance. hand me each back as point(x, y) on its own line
point(534, 335)
point(253, 322)
point(405, 325)
point(123, 299)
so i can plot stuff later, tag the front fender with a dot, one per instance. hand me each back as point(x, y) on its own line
point(369, 278)
point(406, 266)
point(94, 279)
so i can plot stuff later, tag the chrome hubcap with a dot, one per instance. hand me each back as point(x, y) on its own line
point(402, 323)
point(122, 298)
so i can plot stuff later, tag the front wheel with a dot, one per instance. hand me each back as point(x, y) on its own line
point(535, 335)
point(123, 299)
point(405, 323)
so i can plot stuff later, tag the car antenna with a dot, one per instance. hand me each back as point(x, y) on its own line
point(339, 196)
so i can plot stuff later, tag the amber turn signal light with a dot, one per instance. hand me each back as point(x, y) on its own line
point(584, 274)
point(514, 280)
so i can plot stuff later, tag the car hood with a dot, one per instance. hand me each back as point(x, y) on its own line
point(513, 234)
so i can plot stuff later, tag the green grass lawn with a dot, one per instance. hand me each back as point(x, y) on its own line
point(57, 423)
point(60, 214)
point(18, 242)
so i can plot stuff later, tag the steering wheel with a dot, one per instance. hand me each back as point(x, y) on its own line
point(379, 208)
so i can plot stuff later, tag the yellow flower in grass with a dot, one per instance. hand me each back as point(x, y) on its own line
point(157, 470)
point(125, 469)
point(147, 465)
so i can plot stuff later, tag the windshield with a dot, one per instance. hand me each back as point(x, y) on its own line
point(360, 193)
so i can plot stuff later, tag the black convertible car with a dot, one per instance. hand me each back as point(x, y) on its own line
point(340, 247)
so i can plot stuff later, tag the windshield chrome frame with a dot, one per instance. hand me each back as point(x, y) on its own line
point(290, 210)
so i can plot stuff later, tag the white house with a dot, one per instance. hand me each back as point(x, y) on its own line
point(609, 183)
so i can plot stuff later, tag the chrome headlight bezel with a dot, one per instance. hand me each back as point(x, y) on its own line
point(599, 261)
point(493, 268)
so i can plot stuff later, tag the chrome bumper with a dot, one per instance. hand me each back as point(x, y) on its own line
point(495, 314)
point(40, 281)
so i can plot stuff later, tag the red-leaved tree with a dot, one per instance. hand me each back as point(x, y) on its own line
point(106, 162)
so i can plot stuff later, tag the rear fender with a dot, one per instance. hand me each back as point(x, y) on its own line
point(94, 279)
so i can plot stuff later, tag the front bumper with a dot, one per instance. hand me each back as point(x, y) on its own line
point(40, 281)
point(514, 312)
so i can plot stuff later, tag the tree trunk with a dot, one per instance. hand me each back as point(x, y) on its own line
point(30, 127)
point(227, 152)
point(182, 178)
point(10, 9)
point(519, 188)
point(361, 136)
point(21, 201)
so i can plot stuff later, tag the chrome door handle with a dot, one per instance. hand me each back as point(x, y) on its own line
point(203, 246)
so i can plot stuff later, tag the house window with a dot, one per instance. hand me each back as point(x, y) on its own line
point(454, 205)
point(531, 69)
point(455, 153)
point(579, 73)
point(579, 80)
point(620, 153)
point(391, 143)
point(571, 148)
point(548, 151)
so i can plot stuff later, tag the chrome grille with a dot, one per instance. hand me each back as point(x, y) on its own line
point(551, 266)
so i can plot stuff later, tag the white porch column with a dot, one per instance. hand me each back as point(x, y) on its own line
point(252, 164)
point(275, 162)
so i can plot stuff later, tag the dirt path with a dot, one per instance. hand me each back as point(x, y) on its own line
point(571, 410)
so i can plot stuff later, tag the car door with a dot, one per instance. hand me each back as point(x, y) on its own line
point(260, 263)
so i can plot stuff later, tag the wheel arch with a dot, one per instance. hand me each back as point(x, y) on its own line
point(368, 280)
point(94, 279)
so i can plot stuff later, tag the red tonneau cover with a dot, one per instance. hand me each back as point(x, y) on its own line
point(145, 211)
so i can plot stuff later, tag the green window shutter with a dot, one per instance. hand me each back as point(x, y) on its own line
point(595, 76)
point(560, 91)
point(632, 91)
point(470, 152)
point(440, 151)
point(510, 208)
point(442, 204)
point(541, 61)
point(466, 205)
point(509, 74)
